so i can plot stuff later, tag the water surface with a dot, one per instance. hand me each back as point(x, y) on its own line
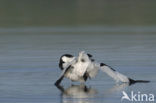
point(29, 63)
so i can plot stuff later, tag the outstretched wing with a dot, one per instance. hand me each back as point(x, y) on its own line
point(113, 73)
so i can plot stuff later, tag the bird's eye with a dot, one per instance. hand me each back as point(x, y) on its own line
point(82, 60)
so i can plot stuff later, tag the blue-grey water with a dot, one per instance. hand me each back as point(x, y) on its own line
point(29, 63)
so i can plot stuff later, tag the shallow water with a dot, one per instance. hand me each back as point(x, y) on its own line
point(29, 63)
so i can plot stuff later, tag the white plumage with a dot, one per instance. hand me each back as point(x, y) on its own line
point(83, 67)
point(114, 74)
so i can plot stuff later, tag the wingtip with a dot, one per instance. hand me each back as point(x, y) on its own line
point(58, 81)
point(56, 84)
point(131, 81)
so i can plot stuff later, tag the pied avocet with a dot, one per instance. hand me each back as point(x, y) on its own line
point(84, 66)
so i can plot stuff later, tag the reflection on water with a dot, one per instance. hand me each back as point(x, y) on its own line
point(77, 91)
point(83, 94)
point(117, 88)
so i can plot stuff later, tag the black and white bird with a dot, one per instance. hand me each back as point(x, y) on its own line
point(84, 66)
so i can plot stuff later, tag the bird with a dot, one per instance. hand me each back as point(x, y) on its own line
point(77, 69)
point(84, 67)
